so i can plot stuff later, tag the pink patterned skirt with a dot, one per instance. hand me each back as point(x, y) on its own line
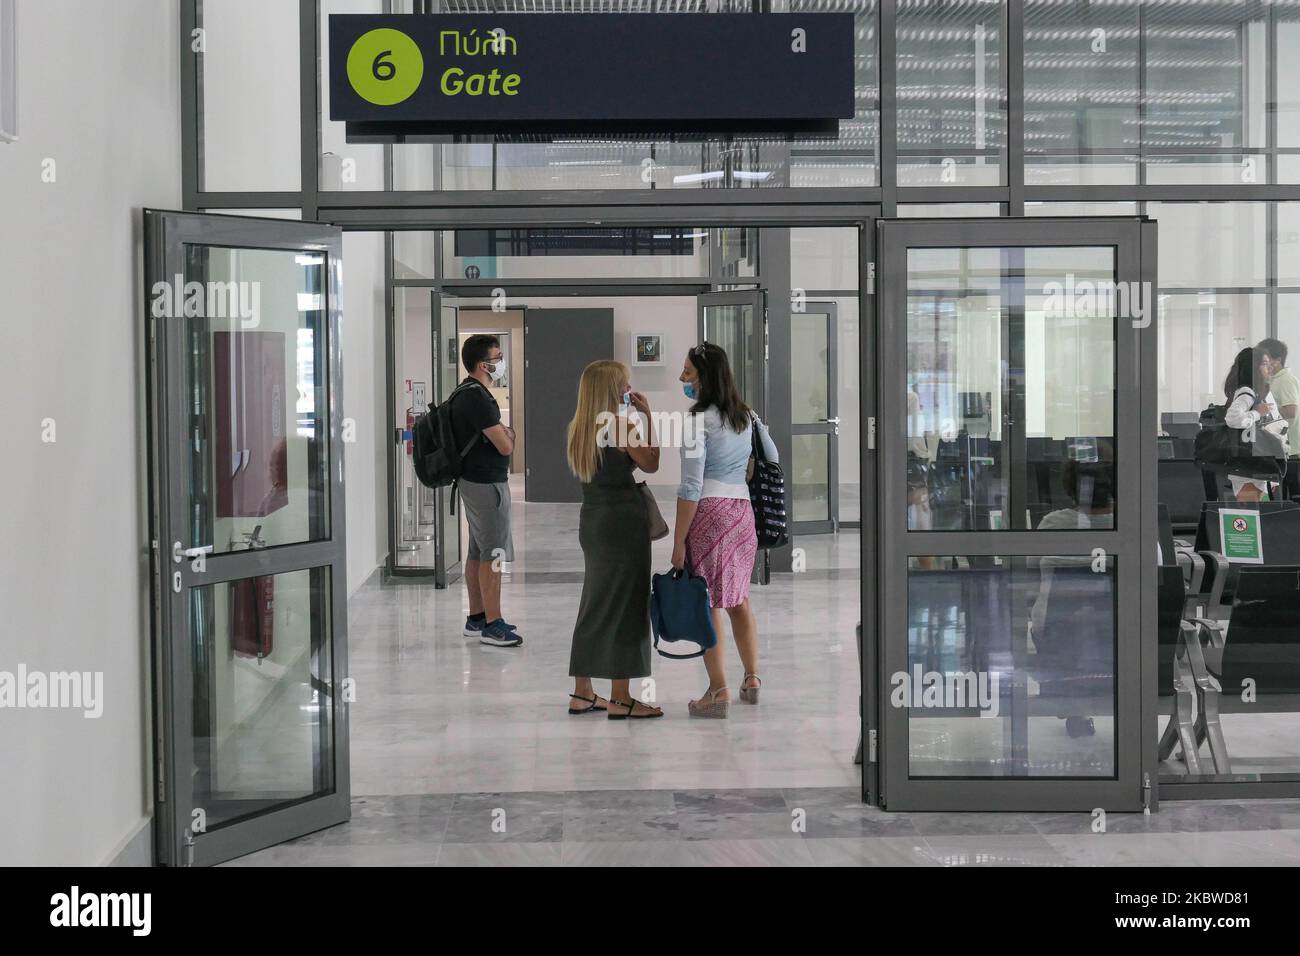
point(721, 546)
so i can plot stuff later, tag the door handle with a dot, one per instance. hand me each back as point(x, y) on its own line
point(179, 554)
point(830, 421)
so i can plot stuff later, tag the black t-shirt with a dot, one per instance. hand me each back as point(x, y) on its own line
point(473, 409)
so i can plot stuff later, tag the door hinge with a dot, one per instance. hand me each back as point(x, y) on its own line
point(871, 433)
point(161, 764)
point(871, 278)
point(871, 746)
point(1146, 794)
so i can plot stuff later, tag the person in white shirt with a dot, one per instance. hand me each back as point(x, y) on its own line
point(1245, 388)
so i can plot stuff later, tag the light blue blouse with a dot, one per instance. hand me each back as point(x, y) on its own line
point(715, 457)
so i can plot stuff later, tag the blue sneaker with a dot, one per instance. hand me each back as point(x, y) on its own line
point(500, 634)
point(474, 625)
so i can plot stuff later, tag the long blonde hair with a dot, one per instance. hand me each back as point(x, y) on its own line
point(599, 394)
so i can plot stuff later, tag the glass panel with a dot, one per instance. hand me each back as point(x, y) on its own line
point(256, 386)
point(1288, 75)
point(344, 165)
point(1081, 93)
point(413, 254)
point(732, 327)
point(948, 210)
point(1081, 209)
point(1204, 245)
point(1205, 89)
point(1226, 169)
point(263, 711)
point(823, 258)
point(810, 478)
point(1288, 244)
point(258, 213)
point(1198, 336)
point(1011, 667)
point(808, 363)
point(415, 383)
point(1011, 382)
point(847, 407)
point(951, 122)
point(250, 109)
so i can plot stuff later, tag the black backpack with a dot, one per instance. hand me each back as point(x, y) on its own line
point(437, 461)
point(767, 495)
point(1249, 453)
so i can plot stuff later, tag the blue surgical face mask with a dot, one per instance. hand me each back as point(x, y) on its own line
point(688, 388)
point(627, 398)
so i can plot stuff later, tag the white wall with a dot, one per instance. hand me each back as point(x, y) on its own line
point(99, 95)
point(365, 470)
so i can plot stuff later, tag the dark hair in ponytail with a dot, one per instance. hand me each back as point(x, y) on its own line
point(717, 387)
point(1243, 374)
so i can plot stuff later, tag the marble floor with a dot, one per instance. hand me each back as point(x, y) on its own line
point(463, 754)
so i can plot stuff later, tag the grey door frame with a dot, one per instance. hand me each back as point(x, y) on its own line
point(758, 345)
point(166, 236)
point(1134, 783)
point(829, 426)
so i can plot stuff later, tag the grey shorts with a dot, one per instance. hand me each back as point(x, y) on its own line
point(487, 511)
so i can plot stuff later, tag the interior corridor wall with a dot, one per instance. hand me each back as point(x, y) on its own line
point(365, 471)
point(99, 115)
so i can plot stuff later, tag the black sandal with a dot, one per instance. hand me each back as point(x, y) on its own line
point(591, 704)
point(631, 710)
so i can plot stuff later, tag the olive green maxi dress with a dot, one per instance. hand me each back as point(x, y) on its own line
point(611, 638)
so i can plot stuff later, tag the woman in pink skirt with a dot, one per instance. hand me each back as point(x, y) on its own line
point(715, 534)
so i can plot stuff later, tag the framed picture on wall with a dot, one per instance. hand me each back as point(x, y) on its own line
point(648, 348)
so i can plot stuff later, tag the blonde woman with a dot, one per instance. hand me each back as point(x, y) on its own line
point(611, 638)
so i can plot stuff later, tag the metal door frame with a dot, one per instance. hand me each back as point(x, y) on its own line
point(829, 426)
point(1135, 422)
point(166, 235)
point(445, 504)
point(756, 299)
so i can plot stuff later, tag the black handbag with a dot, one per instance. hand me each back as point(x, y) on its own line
point(1250, 453)
point(766, 494)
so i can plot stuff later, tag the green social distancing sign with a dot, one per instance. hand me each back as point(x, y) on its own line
point(1243, 542)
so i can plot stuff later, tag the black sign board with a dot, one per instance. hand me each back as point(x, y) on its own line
point(396, 76)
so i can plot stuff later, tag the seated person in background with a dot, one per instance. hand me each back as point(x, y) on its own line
point(1075, 658)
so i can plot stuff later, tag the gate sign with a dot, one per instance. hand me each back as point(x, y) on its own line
point(399, 75)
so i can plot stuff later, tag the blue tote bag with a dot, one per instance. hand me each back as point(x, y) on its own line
point(679, 612)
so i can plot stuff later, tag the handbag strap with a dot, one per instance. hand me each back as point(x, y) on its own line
point(677, 657)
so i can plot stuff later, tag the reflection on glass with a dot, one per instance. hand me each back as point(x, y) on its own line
point(810, 477)
point(258, 465)
point(1011, 667)
point(1081, 93)
point(732, 328)
point(263, 705)
point(1199, 333)
point(951, 124)
point(808, 361)
point(1010, 384)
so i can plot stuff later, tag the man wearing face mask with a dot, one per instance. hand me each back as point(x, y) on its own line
point(484, 492)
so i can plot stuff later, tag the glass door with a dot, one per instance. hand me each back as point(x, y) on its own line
point(448, 373)
point(414, 533)
point(732, 320)
point(247, 529)
point(1017, 513)
point(814, 420)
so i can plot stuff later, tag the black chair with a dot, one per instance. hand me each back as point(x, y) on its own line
point(1181, 486)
